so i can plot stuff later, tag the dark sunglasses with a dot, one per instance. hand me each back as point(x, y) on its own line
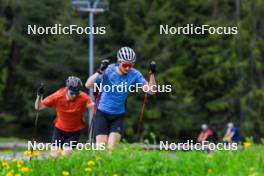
point(126, 65)
point(74, 93)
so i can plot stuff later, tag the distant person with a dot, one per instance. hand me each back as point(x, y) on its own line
point(206, 134)
point(232, 134)
point(70, 104)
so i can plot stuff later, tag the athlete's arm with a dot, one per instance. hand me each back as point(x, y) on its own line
point(90, 105)
point(91, 80)
point(228, 136)
point(150, 87)
point(205, 136)
point(225, 136)
point(200, 137)
point(38, 104)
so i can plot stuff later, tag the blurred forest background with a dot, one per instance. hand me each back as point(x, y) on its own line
point(215, 78)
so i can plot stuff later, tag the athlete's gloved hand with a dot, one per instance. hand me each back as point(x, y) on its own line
point(41, 90)
point(104, 64)
point(152, 67)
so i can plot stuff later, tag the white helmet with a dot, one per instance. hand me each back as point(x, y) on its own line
point(126, 54)
point(204, 126)
point(230, 125)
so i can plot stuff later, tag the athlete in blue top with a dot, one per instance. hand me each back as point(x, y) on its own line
point(232, 134)
point(117, 81)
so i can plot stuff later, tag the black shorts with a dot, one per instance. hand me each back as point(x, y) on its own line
point(60, 137)
point(106, 123)
point(210, 138)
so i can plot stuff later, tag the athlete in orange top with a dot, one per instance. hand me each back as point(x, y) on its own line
point(70, 104)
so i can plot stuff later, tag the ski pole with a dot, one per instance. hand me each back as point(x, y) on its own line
point(141, 116)
point(140, 123)
point(34, 133)
point(95, 106)
point(34, 136)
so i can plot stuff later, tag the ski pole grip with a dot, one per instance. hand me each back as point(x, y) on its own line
point(152, 67)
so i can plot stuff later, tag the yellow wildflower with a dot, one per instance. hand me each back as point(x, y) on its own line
point(5, 165)
point(24, 169)
point(98, 158)
point(20, 162)
point(91, 163)
point(9, 174)
point(65, 173)
point(88, 169)
point(247, 145)
point(17, 174)
point(209, 171)
point(14, 160)
point(27, 152)
point(59, 152)
point(36, 153)
point(115, 174)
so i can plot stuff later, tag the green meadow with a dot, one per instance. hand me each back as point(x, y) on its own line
point(129, 160)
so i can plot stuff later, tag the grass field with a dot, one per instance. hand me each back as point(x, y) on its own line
point(130, 161)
